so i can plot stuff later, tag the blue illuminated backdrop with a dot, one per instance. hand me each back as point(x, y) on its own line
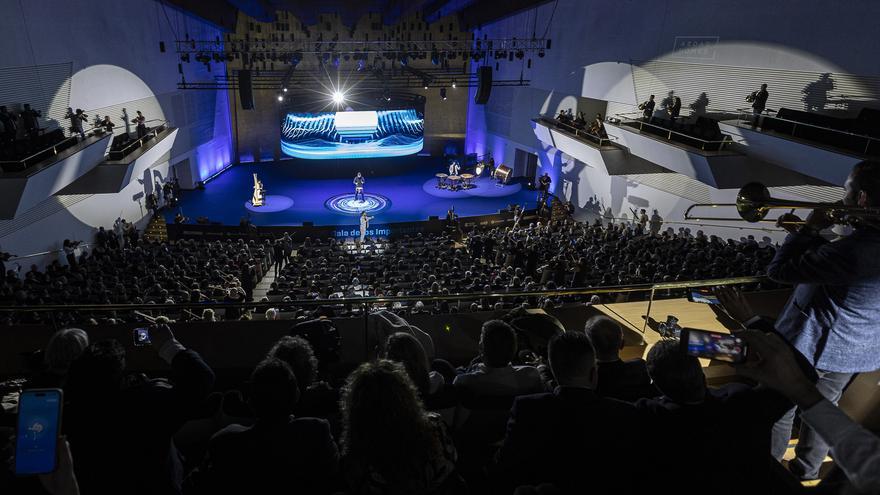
point(353, 134)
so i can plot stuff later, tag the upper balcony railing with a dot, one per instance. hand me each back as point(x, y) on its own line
point(43, 154)
point(577, 131)
point(851, 141)
point(634, 119)
point(136, 144)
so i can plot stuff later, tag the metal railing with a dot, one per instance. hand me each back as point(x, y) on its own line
point(139, 142)
point(745, 115)
point(366, 304)
point(47, 152)
point(695, 224)
point(582, 133)
point(638, 119)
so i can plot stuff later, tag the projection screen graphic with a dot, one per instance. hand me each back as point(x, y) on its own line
point(352, 134)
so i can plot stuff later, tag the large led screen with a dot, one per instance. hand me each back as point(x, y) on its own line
point(352, 134)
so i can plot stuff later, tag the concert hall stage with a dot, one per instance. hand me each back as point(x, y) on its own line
point(293, 198)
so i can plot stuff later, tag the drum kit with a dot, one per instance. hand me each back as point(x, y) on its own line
point(455, 182)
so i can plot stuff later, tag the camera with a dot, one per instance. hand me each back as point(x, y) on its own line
point(141, 337)
point(670, 328)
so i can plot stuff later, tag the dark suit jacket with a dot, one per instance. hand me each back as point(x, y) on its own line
point(626, 380)
point(722, 443)
point(294, 457)
point(123, 442)
point(832, 316)
point(573, 438)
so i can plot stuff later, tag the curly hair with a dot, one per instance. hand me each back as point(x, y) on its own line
point(297, 352)
point(385, 426)
point(407, 350)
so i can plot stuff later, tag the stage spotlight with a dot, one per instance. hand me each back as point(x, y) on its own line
point(443, 93)
point(435, 58)
point(284, 89)
point(338, 97)
point(281, 97)
point(520, 54)
point(361, 65)
point(453, 83)
point(541, 53)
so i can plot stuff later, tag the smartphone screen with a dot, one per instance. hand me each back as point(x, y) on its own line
point(704, 297)
point(39, 419)
point(713, 345)
point(141, 336)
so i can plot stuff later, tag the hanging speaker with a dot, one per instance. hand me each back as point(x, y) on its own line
point(484, 85)
point(245, 90)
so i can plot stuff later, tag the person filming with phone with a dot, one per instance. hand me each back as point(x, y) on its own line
point(120, 426)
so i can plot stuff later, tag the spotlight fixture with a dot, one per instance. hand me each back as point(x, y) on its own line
point(284, 89)
point(453, 83)
point(338, 97)
point(443, 93)
point(280, 97)
point(184, 57)
point(541, 53)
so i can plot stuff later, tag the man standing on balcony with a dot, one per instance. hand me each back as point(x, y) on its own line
point(141, 122)
point(648, 108)
point(832, 315)
point(759, 102)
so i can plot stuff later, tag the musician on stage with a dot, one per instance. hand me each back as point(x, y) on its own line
point(544, 187)
point(454, 167)
point(365, 224)
point(359, 186)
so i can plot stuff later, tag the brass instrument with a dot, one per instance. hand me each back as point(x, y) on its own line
point(753, 203)
point(751, 97)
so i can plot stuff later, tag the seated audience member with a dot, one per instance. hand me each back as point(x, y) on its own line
point(494, 374)
point(689, 420)
point(571, 437)
point(317, 398)
point(405, 349)
point(390, 444)
point(279, 453)
point(855, 450)
point(64, 347)
point(120, 427)
point(618, 379)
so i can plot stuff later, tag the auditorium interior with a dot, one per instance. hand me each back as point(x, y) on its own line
point(574, 246)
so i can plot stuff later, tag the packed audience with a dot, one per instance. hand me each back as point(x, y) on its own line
point(566, 422)
point(123, 268)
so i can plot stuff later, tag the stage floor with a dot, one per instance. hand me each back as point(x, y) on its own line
point(291, 200)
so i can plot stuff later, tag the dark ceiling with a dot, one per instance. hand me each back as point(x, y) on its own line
point(472, 13)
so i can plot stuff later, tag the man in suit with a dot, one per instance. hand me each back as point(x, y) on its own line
point(648, 108)
point(759, 103)
point(618, 379)
point(832, 316)
point(571, 437)
point(278, 451)
point(699, 435)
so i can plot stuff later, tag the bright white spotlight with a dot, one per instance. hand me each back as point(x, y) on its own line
point(280, 98)
point(284, 89)
point(338, 97)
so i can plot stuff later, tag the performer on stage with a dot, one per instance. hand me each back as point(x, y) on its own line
point(454, 167)
point(544, 186)
point(359, 187)
point(259, 197)
point(365, 224)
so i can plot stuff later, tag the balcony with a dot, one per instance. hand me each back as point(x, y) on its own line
point(591, 149)
point(125, 163)
point(29, 180)
point(805, 143)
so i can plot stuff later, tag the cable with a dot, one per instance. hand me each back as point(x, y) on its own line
point(551, 18)
point(170, 26)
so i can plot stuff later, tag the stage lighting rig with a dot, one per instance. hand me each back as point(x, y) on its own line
point(338, 97)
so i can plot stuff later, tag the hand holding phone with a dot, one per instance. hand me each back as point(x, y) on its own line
point(141, 337)
point(39, 422)
point(713, 345)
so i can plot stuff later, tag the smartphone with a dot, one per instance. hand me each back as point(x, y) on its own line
point(141, 337)
point(713, 345)
point(702, 296)
point(39, 423)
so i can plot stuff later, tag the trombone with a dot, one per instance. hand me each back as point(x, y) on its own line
point(753, 203)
